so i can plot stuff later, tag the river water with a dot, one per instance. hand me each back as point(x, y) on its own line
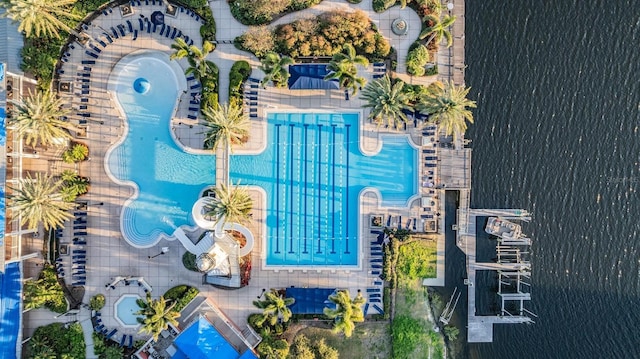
point(557, 126)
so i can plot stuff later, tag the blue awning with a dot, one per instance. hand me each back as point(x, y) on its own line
point(310, 77)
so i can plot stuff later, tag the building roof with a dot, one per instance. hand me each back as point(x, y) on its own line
point(310, 300)
point(310, 77)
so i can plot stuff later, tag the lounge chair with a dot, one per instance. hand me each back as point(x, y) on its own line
point(376, 266)
point(376, 260)
point(253, 115)
point(79, 257)
point(80, 226)
point(130, 25)
point(191, 78)
point(80, 234)
point(112, 333)
point(375, 295)
point(114, 32)
point(167, 33)
point(99, 328)
point(377, 282)
point(124, 337)
point(91, 54)
point(376, 247)
point(88, 62)
point(373, 290)
point(141, 24)
point(135, 34)
point(376, 253)
point(251, 92)
point(366, 308)
point(173, 33)
point(375, 272)
point(375, 300)
point(195, 86)
point(195, 109)
point(121, 28)
point(130, 345)
point(194, 102)
point(377, 308)
point(162, 29)
point(80, 262)
point(192, 117)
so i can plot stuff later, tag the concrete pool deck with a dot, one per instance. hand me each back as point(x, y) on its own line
point(109, 255)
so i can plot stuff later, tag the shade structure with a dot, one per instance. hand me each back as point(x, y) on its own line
point(310, 77)
point(310, 300)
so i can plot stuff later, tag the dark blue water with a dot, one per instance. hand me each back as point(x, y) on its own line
point(556, 132)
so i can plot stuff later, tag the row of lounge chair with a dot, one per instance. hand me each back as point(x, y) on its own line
point(194, 102)
point(187, 11)
point(379, 70)
point(251, 96)
point(100, 327)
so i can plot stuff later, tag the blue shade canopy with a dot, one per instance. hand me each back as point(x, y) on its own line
point(310, 77)
point(310, 300)
point(202, 341)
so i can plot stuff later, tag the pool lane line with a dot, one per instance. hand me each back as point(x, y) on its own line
point(291, 126)
point(277, 189)
point(333, 191)
point(346, 217)
point(318, 196)
point(306, 182)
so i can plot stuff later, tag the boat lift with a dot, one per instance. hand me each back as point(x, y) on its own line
point(445, 317)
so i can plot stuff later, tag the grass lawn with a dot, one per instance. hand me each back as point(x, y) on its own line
point(370, 340)
point(411, 301)
point(417, 259)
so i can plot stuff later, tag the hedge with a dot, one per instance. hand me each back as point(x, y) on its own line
point(182, 295)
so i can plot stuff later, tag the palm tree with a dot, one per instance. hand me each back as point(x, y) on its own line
point(343, 67)
point(199, 66)
point(233, 204)
point(40, 17)
point(275, 307)
point(347, 311)
point(39, 118)
point(448, 106)
point(226, 125)
point(439, 29)
point(275, 69)
point(157, 315)
point(39, 200)
point(386, 102)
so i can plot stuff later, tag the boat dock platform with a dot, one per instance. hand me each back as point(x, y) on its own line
point(510, 265)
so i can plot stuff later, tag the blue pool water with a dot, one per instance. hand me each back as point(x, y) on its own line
point(312, 171)
point(125, 308)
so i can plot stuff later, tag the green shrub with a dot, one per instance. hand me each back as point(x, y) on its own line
point(260, 12)
point(354, 1)
point(98, 343)
point(39, 57)
point(77, 153)
point(73, 185)
point(406, 334)
point(417, 59)
point(45, 291)
point(382, 5)
point(181, 295)
point(56, 341)
point(431, 71)
point(208, 29)
point(189, 261)
point(113, 352)
point(272, 348)
point(451, 332)
point(97, 302)
point(325, 35)
point(240, 72)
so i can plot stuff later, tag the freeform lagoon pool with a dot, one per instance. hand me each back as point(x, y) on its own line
point(312, 171)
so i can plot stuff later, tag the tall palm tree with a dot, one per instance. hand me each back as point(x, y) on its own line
point(448, 107)
point(199, 66)
point(39, 201)
point(38, 117)
point(157, 315)
point(386, 102)
point(40, 17)
point(226, 125)
point(275, 69)
point(439, 29)
point(347, 312)
point(343, 67)
point(233, 204)
point(275, 307)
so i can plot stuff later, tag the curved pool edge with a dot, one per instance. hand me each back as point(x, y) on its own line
point(181, 82)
